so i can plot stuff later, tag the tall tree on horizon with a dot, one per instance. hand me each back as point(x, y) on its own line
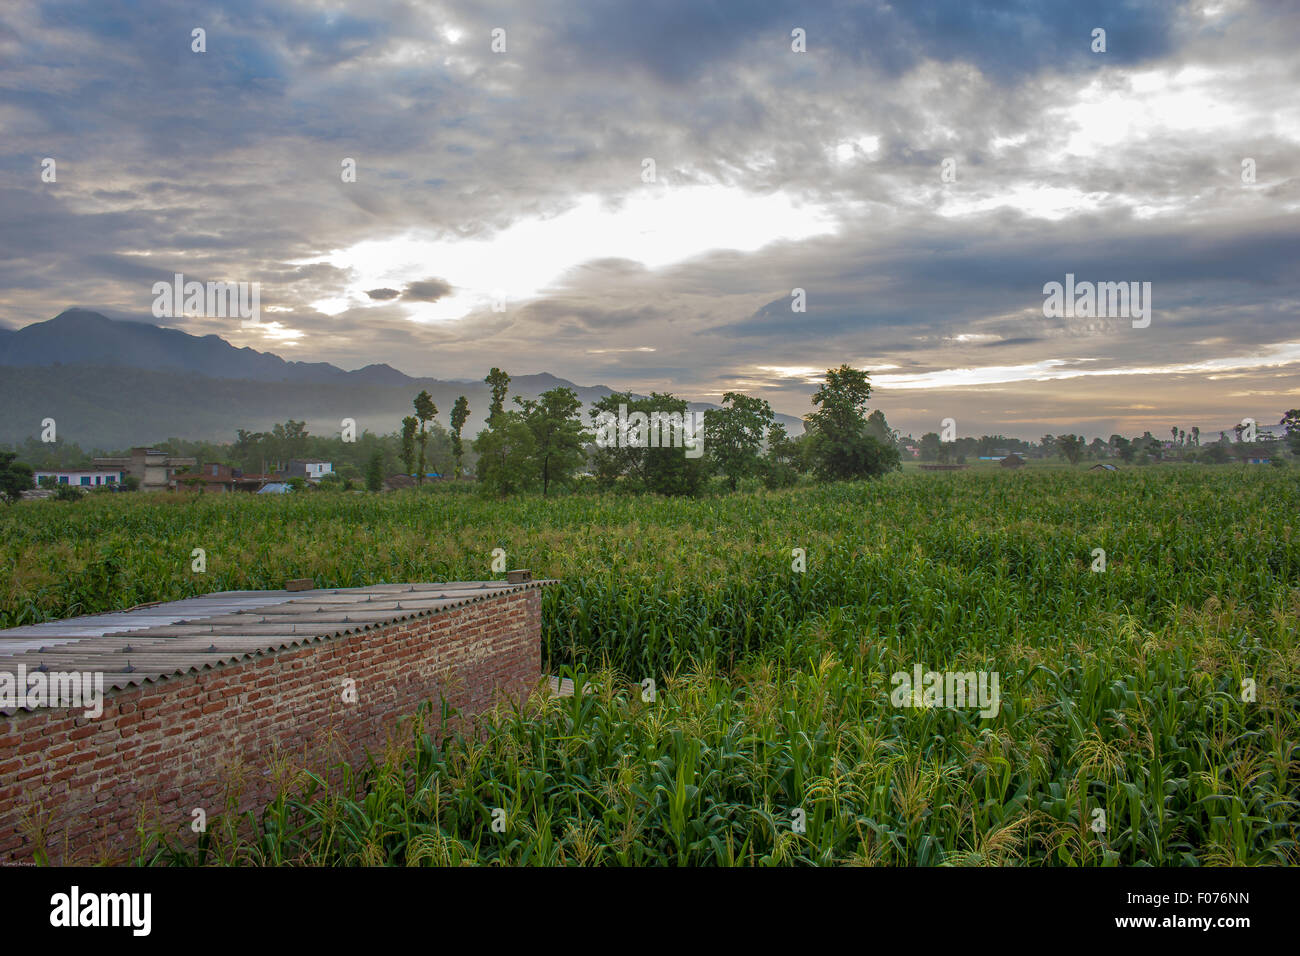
point(557, 435)
point(409, 425)
point(375, 472)
point(459, 415)
point(425, 410)
point(505, 450)
point(639, 467)
point(499, 382)
point(838, 441)
point(1070, 447)
point(735, 435)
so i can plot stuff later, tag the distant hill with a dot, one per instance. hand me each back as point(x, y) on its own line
point(79, 337)
point(111, 384)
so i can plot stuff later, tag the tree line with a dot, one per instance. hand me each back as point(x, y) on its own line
point(545, 444)
point(1182, 446)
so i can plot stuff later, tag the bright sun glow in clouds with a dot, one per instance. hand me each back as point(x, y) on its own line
point(656, 229)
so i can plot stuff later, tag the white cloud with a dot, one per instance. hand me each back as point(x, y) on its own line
point(1285, 353)
point(849, 150)
point(661, 226)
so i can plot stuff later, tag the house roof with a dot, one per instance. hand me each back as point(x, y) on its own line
point(156, 641)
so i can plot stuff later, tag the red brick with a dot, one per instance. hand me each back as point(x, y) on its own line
point(164, 744)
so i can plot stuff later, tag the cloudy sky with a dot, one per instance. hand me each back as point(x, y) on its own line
point(504, 213)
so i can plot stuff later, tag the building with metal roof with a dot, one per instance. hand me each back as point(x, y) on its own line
point(169, 696)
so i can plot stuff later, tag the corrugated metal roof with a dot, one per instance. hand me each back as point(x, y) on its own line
point(153, 642)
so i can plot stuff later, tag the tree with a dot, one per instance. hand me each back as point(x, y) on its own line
point(1048, 445)
point(664, 470)
point(409, 425)
point(425, 410)
point(375, 472)
point(930, 446)
point(1291, 422)
point(1070, 447)
point(289, 440)
point(459, 414)
point(878, 428)
point(1123, 447)
point(15, 477)
point(734, 435)
point(505, 447)
point(505, 450)
point(1196, 435)
point(557, 435)
point(838, 442)
point(499, 382)
point(780, 467)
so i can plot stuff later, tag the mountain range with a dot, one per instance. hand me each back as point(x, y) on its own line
point(110, 384)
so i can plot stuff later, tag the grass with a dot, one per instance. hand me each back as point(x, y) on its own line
point(1121, 691)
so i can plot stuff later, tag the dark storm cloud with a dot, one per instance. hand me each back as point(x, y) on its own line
point(677, 40)
point(943, 285)
point(590, 316)
point(1007, 343)
point(427, 290)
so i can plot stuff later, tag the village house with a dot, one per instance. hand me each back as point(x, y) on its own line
point(152, 468)
point(218, 478)
point(81, 479)
point(309, 469)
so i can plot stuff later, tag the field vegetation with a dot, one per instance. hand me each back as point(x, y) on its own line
point(771, 737)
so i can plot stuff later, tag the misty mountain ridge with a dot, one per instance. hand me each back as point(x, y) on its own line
point(112, 383)
point(80, 337)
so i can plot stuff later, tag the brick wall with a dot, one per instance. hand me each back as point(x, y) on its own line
point(177, 744)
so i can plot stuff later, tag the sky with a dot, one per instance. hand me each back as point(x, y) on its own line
point(921, 171)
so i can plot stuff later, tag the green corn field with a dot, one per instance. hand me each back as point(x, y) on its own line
point(1148, 711)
